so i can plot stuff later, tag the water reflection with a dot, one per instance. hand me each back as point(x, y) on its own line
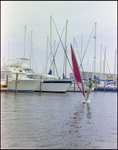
point(88, 114)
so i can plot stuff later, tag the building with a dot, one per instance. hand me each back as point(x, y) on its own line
point(88, 75)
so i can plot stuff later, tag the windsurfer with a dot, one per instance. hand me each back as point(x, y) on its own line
point(90, 84)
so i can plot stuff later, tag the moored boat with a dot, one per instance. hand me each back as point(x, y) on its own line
point(24, 84)
point(49, 82)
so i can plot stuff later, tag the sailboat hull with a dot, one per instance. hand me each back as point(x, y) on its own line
point(55, 86)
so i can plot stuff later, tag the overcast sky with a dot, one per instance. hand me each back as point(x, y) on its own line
point(81, 16)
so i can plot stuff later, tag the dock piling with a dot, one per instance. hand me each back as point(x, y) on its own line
point(7, 81)
point(16, 82)
point(40, 84)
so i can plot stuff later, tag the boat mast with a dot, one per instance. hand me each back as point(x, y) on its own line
point(31, 60)
point(47, 54)
point(81, 46)
point(115, 66)
point(24, 41)
point(104, 64)
point(95, 50)
point(100, 61)
point(87, 67)
point(54, 61)
point(50, 41)
point(8, 49)
point(66, 48)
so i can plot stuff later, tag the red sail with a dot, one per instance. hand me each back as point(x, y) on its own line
point(76, 72)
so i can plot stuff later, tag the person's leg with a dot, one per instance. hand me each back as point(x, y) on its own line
point(88, 93)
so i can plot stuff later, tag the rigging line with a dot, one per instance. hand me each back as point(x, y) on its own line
point(58, 46)
point(46, 61)
point(80, 58)
point(56, 69)
point(62, 45)
point(86, 48)
point(107, 64)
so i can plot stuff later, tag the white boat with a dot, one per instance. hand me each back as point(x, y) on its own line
point(24, 84)
point(49, 83)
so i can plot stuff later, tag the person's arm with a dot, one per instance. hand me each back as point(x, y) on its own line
point(87, 84)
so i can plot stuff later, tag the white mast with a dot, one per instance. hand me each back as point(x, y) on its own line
point(54, 60)
point(81, 45)
point(31, 51)
point(87, 67)
point(81, 51)
point(47, 54)
point(8, 49)
point(95, 50)
point(115, 66)
point(104, 64)
point(50, 41)
point(24, 41)
point(100, 61)
point(66, 48)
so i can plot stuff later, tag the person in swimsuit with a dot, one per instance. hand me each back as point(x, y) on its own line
point(90, 84)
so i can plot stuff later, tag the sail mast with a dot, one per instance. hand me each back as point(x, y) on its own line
point(24, 41)
point(81, 46)
point(115, 66)
point(95, 50)
point(54, 60)
point(100, 61)
point(50, 41)
point(8, 49)
point(104, 64)
point(31, 51)
point(47, 54)
point(66, 48)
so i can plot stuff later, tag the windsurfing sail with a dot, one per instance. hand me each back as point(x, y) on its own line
point(76, 72)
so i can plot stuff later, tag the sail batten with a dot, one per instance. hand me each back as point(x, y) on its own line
point(76, 72)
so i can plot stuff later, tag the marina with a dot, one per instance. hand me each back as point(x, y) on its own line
point(58, 121)
point(59, 78)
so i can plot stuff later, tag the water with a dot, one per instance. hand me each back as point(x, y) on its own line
point(56, 121)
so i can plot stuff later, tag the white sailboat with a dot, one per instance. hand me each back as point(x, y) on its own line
point(104, 86)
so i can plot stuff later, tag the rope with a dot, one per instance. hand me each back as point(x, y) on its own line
point(86, 48)
point(80, 59)
point(107, 64)
point(63, 46)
